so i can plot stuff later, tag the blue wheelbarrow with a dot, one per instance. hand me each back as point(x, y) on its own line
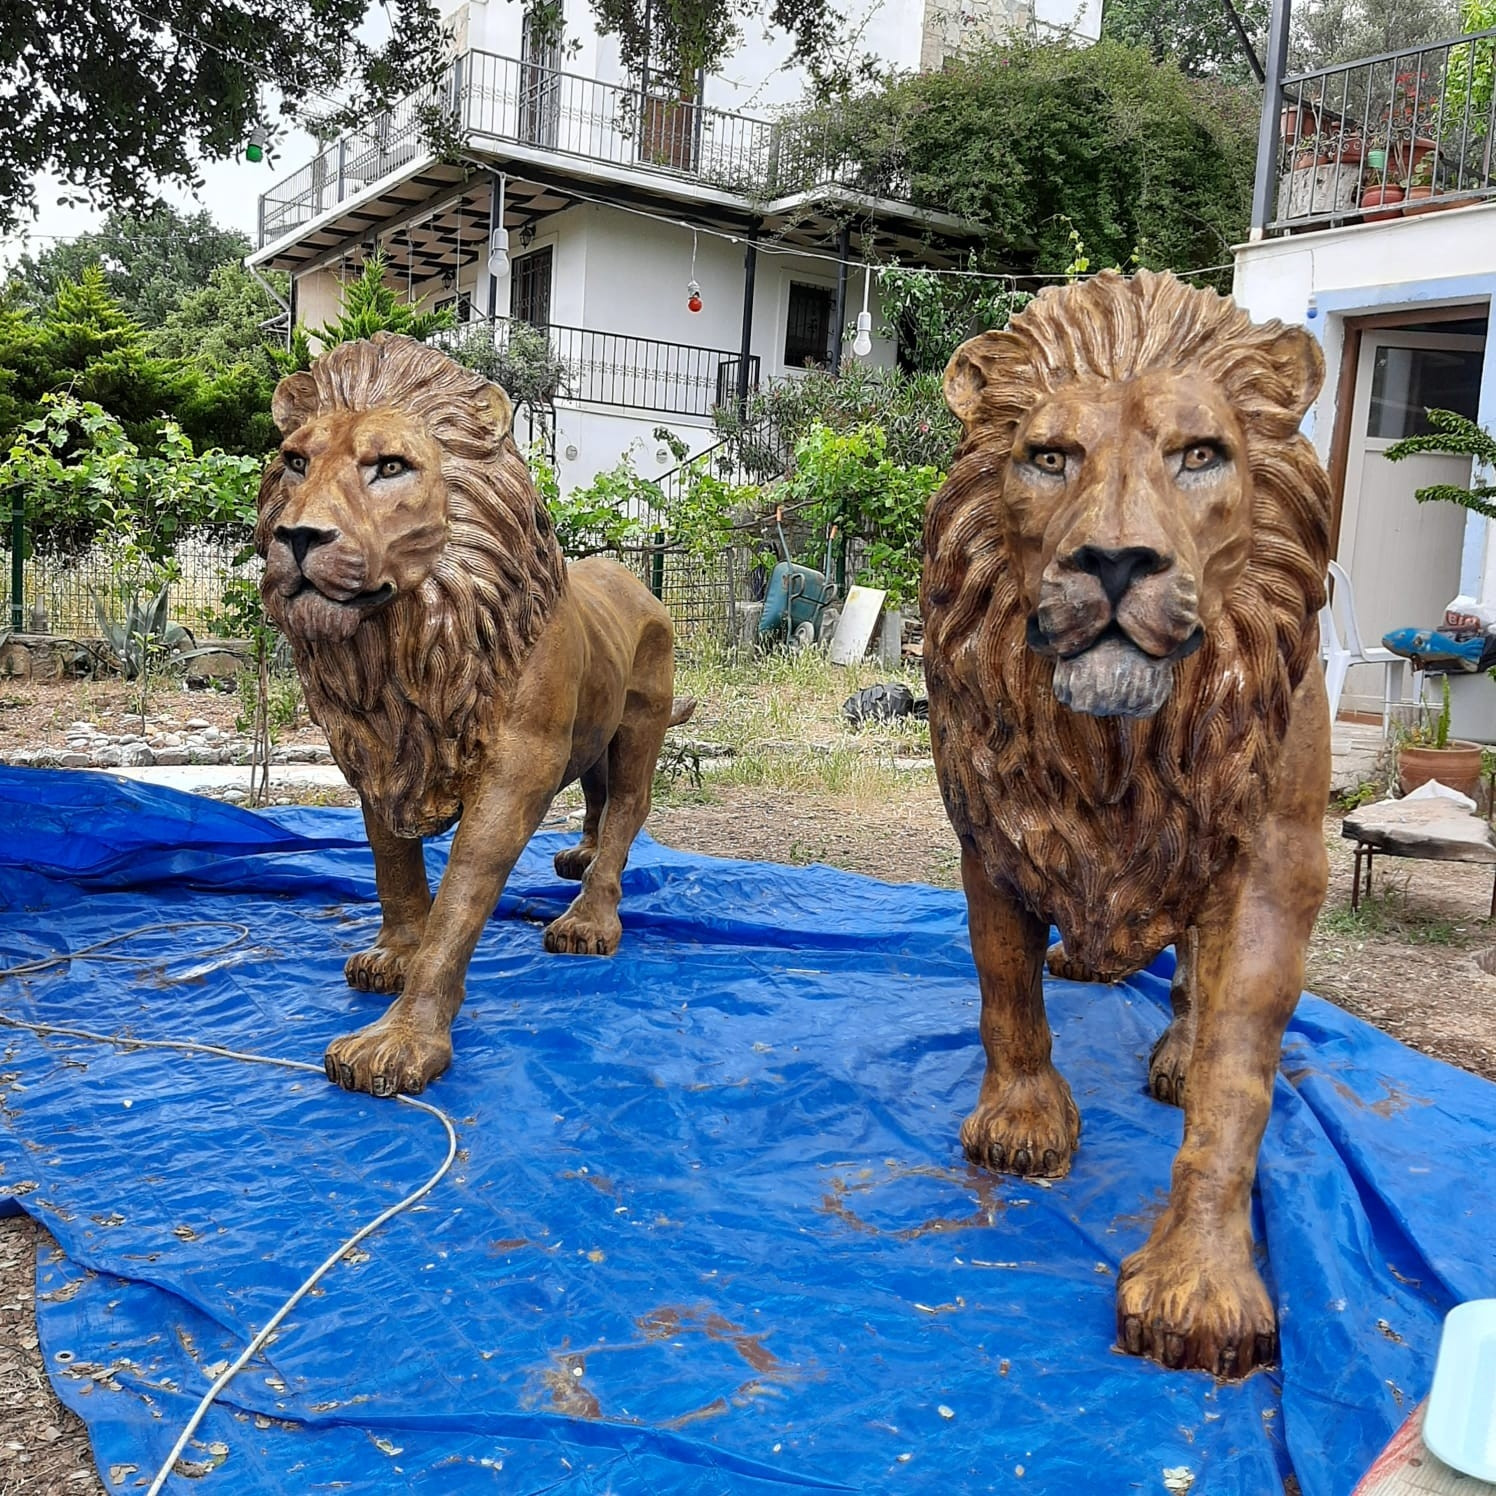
point(796, 595)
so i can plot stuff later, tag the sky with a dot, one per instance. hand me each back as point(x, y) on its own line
point(231, 192)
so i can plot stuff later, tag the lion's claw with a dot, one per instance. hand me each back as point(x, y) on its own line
point(1168, 1064)
point(1025, 1125)
point(380, 969)
point(572, 862)
point(583, 935)
point(1189, 1305)
point(388, 1057)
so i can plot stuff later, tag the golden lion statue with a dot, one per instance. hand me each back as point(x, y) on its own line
point(1121, 579)
point(458, 667)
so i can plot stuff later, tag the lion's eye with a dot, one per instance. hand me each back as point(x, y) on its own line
point(392, 467)
point(1201, 456)
point(1048, 460)
point(294, 462)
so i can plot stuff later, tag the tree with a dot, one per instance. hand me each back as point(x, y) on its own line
point(221, 324)
point(679, 38)
point(1222, 38)
point(1141, 163)
point(150, 262)
point(1330, 31)
point(114, 100)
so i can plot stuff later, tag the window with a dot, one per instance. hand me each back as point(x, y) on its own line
point(461, 307)
point(540, 79)
point(1405, 382)
point(530, 287)
point(807, 331)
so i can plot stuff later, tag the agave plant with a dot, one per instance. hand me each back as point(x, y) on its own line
point(145, 634)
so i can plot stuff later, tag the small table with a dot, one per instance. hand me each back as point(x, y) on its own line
point(1432, 829)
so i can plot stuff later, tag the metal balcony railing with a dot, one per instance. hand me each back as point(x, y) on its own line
point(527, 104)
point(1404, 133)
point(619, 369)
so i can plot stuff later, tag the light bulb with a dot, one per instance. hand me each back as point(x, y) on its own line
point(693, 297)
point(862, 344)
point(498, 252)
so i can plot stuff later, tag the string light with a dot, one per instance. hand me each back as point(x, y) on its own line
point(693, 289)
point(862, 344)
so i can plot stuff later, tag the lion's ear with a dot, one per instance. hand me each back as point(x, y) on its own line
point(977, 363)
point(294, 402)
point(1300, 366)
point(500, 409)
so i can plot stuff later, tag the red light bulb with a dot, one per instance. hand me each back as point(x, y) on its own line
point(693, 299)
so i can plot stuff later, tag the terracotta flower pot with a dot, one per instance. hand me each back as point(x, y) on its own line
point(1385, 197)
point(1416, 201)
point(1458, 766)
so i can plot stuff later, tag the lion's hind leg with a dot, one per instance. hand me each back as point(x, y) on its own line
point(1169, 1061)
point(572, 862)
point(591, 926)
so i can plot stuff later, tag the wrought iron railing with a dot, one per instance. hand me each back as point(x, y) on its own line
point(619, 369)
point(529, 105)
point(1408, 132)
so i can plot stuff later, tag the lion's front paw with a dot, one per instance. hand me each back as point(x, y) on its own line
point(1024, 1125)
point(572, 862)
point(388, 1057)
point(1190, 1304)
point(1063, 968)
point(584, 934)
point(381, 968)
point(1169, 1062)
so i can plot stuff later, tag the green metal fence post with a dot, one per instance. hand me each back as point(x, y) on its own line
point(17, 558)
point(657, 566)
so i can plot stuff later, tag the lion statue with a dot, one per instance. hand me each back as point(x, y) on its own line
point(1121, 580)
point(458, 667)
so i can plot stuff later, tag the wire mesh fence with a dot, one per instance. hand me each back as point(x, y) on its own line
point(62, 594)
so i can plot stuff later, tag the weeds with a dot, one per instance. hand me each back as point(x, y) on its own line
point(1389, 912)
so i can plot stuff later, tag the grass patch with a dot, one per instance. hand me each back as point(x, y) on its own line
point(1388, 913)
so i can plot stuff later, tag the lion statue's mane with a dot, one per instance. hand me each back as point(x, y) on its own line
point(1115, 827)
point(402, 700)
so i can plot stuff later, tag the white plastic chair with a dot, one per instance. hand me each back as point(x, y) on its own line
point(1340, 647)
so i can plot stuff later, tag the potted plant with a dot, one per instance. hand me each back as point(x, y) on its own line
point(1377, 193)
point(1428, 752)
point(1421, 186)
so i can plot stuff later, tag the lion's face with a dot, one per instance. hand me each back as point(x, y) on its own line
point(1127, 505)
point(364, 520)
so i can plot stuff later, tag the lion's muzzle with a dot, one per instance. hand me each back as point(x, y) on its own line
point(1117, 620)
point(316, 584)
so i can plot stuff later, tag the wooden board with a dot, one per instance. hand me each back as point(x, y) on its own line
point(1406, 1468)
point(854, 629)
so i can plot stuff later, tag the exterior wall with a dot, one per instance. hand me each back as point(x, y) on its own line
point(1320, 279)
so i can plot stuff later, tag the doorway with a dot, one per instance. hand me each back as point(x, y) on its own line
point(1404, 558)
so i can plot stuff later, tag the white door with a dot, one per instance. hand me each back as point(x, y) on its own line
point(1403, 557)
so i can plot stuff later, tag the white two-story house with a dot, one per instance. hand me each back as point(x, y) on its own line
point(588, 204)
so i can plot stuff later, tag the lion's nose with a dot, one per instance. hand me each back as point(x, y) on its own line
point(301, 538)
point(1117, 570)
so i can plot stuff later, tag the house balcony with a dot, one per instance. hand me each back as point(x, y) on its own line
point(1405, 133)
point(621, 371)
point(537, 114)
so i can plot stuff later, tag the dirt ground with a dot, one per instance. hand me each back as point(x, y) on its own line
point(1406, 961)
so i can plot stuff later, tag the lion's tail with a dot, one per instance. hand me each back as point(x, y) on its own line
point(681, 709)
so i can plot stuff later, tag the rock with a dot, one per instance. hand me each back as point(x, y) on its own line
point(166, 756)
point(74, 760)
point(136, 755)
point(130, 737)
point(166, 740)
point(212, 734)
point(81, 729)
point(234, 796)
point(196, 724)
point(1437, 829)
point(108, 758)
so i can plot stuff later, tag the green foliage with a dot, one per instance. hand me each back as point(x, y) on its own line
point(1331, 31)
point(84, 477)
point(522, 363)
point(144, 636)
point(932, 315)
point(83, 342)
point(1432, 731)
point(910, 409)
point(1197, 34)
point(218, 325)
point(114, 101)
point(150, 263)
point(607, 514)
point(1456, 436)
point(367, 306)
point(1470, 73)
point(847, 480)
point(1100, 140)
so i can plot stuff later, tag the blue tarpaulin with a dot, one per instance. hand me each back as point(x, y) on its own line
point(709, 1229)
